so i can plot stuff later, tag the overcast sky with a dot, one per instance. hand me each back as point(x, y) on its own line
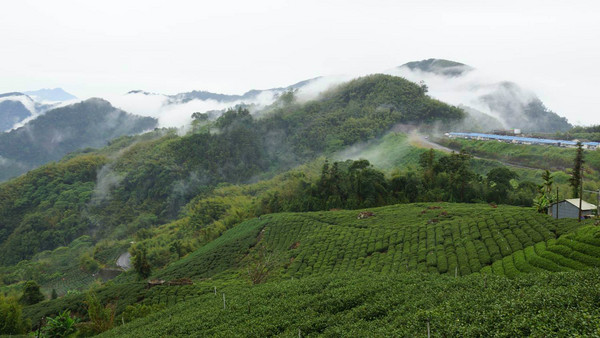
point(110, 47)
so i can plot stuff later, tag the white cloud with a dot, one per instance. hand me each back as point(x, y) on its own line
point(233, 46)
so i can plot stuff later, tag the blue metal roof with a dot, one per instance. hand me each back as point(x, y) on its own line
point(524, 139)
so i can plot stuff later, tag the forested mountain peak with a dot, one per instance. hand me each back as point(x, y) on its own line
point(506, 101)
point(90, 123)
point(439, 66)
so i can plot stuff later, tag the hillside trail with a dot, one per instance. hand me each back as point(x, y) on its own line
point(124, 261)
point(421, 141)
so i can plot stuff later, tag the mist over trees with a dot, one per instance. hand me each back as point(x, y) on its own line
point(91, 123)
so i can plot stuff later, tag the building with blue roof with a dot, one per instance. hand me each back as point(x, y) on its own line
point(523, 140)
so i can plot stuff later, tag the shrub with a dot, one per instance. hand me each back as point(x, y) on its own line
point(12, 321)
point(31, 294)
point(60, 326)
point(101, 317)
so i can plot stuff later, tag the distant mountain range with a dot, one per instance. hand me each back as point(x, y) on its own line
point(16, 107)
point(206, 95)
point(55, 95)
point(489, 103)
point(506, 102)
point(91, 123)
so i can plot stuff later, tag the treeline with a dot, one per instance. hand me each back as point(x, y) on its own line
point(591, 133)
point(357, 184)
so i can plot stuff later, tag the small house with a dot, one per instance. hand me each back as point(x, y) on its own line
point(570, 209)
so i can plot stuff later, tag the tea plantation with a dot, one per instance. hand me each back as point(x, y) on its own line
point(434, 237)
point(377, 272)
point(376, 305)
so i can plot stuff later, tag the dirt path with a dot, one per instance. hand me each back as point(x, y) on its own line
point(421, 141)
point(124, 261)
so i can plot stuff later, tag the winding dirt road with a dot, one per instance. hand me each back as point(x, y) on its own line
point(422, 141)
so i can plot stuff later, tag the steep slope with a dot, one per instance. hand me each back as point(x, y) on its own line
point(49, 137)
point(400, 242)
point(445, 238)
point(147, 181)
point(14, 108)
point(460, 84)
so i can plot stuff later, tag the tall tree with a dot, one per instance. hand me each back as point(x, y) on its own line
point(427, 162)
point(499, 184)
point(548, 181)
point(575, 179)
point(140, 261)
point(31, 294)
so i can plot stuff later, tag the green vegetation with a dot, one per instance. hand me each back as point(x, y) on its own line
point(591, 133)
point(367, 304)
point(12, 321)
point(60, 326)
point(31, 294)
point(223, 235)
point(572, 251)
point(436, 238)
point(138, 183)
point(537, 156)
point(357, 184)
point(576, 176)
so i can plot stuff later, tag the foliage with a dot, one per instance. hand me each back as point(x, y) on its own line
point(101, 317)
point(571, 251)
point(12, 321)
point(370, 304)
point(537, 156)
point(88, 264)
point(51, 136)
point(576, 178)
point(140, 261)
point(356, 184)
point(60, 326)
point(218, 255)
point(359, 110)
point(43, 209)
point(140, 311)
point(260, 264)
point(31, 294)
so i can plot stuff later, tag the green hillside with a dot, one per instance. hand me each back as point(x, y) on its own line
point(145, 181)
point(573, 251)
point(366, 305)
point(438, 238)
point(444, 238)
point(537, 156)
point(298, 230)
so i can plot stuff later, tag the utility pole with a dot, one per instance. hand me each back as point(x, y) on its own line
point(580, 194)
point(556, 203)
point(597, 201)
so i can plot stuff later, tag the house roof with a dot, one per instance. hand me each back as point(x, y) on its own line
point(584, 205)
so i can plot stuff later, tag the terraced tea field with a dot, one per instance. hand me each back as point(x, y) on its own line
point(579, 250)
point(431, 237)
